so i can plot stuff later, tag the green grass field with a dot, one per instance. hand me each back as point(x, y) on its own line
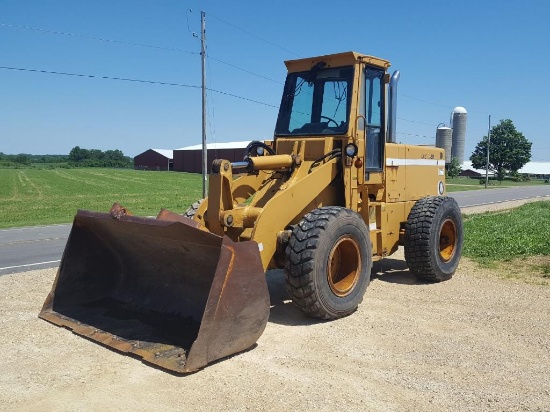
point(34, 196)
point(515, 243)
point(503, 236)
point(45, 196)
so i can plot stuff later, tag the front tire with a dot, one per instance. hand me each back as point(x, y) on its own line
point(328, 262)
point(192, 210)
point(433, 238)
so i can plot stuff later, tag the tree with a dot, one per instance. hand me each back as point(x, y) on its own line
point(77, 154)
point(509, 150)
point(96, 158)
point(454, 168)
point(22, 159)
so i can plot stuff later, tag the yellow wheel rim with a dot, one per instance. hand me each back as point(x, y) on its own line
point(344, 266)
point(447, 240)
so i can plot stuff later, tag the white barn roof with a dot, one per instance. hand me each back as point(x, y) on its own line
point(467, 165)
point(168, 153)
point(536, 168)
point(532, 168)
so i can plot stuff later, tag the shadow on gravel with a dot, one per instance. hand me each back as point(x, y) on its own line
point(283, 311)
point(394, 271)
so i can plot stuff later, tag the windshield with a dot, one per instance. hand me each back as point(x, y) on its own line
point(316, 102)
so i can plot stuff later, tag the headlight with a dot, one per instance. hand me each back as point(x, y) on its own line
point(351, 149)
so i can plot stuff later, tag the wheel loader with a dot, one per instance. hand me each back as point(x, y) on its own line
point(331, 193)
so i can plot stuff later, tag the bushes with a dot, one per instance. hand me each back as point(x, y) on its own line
point(96, 158)
point(20, 159)
point(516, 177)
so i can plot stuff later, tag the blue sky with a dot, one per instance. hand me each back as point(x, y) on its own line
point(489, 56)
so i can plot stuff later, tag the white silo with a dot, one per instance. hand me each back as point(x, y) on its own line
point(444, 140)
point(459, 116)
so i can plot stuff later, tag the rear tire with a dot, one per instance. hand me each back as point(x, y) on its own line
point(433, 238)
point(328, 262)
point(190, 212)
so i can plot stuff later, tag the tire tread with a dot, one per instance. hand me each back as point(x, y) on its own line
point(192, 210)
point(300, 253)
point(418, 249)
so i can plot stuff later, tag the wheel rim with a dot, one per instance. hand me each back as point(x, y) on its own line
point(447, 240)
point(344, 266)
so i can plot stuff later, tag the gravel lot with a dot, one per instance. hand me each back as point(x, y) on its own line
point(473, 343)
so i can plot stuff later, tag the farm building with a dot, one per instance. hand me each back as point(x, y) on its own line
point(536, 169)
point(533, 169)
point(189, 159)
point(154, 159)
point(469, 171)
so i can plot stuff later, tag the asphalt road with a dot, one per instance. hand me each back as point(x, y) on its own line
point(484, 197)
point(41, 247)
point(28, 248)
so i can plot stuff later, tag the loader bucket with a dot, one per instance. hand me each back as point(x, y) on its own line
point(162, 289)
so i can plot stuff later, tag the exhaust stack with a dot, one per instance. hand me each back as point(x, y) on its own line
point(393, 107)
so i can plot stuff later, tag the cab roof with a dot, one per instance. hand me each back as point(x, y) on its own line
point(335, 60)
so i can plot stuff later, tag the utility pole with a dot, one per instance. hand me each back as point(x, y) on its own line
point(204, 147)
point(487, 164)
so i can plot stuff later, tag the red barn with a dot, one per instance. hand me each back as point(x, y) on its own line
point(189, 159)
point(154, 159)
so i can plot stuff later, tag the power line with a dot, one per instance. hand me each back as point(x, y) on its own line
point(243, 98)
point(255, 36)
point(417, 135)
point(96, 38)
point(136, 45)
point(127, 79)
point(210, 107)
point(193, 53)
point(440, 105)
point(425, 101)
point(436, 125)
point(187, 12)
point(92, 76)
point(415, 121)
point(63, 33)
point(244, 70)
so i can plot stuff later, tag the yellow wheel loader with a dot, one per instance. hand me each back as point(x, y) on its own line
point(330, 194)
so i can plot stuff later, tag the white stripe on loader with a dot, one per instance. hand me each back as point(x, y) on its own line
point(414, 162)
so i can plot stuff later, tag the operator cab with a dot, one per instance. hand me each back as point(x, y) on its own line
point(316, 102)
